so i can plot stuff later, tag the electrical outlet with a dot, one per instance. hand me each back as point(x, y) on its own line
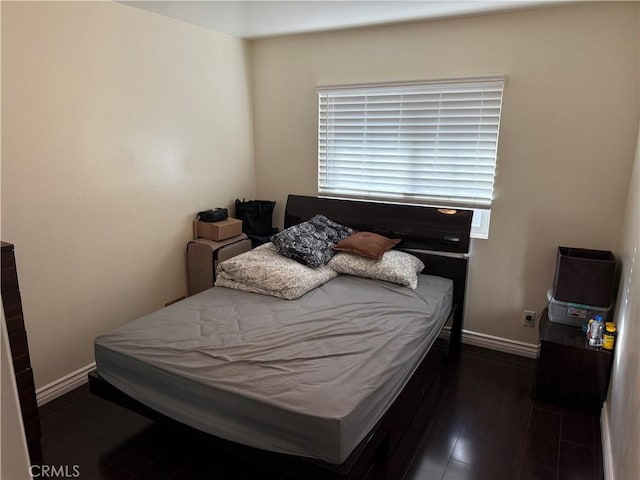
point(529, 318)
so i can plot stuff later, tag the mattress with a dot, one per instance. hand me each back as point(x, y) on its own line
point(307, 377)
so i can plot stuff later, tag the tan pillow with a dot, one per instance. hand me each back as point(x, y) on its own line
point(395, 267)
point(367, 244)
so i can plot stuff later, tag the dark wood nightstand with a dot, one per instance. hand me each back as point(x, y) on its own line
point(571, 373)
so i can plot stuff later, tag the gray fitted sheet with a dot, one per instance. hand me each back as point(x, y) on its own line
point(307, 377)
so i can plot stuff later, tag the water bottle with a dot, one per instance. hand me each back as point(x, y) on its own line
point(597, 329)
point(588, 328)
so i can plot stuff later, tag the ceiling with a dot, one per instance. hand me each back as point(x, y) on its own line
point(257, 19)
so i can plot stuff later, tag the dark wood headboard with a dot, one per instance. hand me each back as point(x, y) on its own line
point(422, 228)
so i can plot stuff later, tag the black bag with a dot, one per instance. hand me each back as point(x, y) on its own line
point(213, 215)
point(256, 216)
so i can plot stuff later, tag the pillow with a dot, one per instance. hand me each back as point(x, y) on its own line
point(367, 244)
point(395, 267)
point(311, 242)
point(263, 270)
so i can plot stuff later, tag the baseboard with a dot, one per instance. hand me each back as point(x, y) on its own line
point(607, 454)
point(500, 344)
point(63, 385)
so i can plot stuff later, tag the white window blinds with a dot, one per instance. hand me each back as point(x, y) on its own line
point(431, 143)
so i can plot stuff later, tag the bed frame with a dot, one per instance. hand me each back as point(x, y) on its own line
point(386, 452)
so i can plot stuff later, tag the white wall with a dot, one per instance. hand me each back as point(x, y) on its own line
point(566, 142)
point(118, 125)
point(623, 400)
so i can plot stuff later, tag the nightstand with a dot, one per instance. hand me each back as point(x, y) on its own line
point(570, 372)
point(203, 256)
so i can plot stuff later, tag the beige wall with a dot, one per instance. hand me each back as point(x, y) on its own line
point(566, 143)
point(623, 402)
point(118, 125)
point(14, 459)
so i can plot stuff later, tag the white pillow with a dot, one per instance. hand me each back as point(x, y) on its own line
point(263, 270)
point(395, 267)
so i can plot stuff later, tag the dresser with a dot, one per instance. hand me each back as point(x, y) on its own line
point(19, 346)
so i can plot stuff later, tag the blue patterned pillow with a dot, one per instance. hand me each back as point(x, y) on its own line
point(311, 242)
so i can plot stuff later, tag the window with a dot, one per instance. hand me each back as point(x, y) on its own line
point(430, 143)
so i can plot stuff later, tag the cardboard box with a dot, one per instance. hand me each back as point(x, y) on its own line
point(221, 230)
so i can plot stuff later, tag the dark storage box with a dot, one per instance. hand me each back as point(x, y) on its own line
point(585, 276)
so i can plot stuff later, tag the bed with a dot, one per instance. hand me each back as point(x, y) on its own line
point(328, 385)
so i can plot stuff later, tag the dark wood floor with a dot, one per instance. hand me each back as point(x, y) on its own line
point(486, 425)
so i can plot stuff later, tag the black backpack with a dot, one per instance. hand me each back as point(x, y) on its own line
point(256, 216)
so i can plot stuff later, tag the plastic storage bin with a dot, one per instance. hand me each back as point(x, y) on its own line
point(574, 314)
